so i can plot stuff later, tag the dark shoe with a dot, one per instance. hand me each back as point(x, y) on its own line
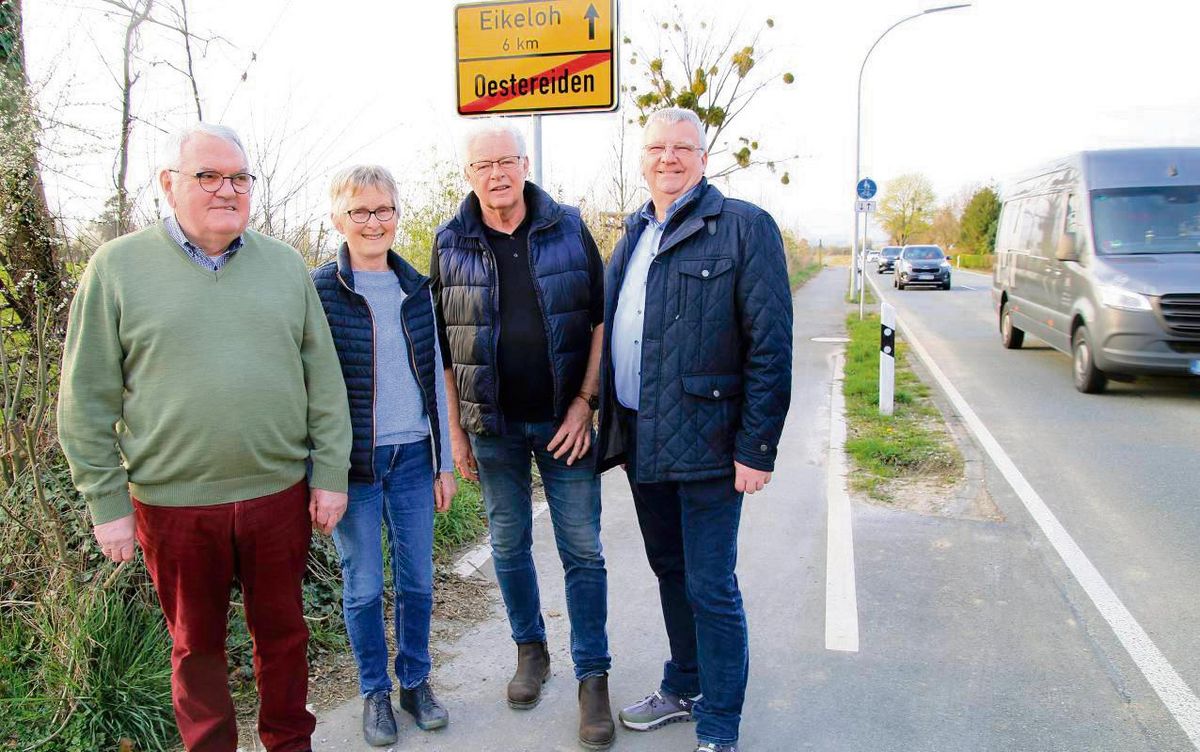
point(596, 727)
point(533, 669)
point(379, 724)
point(424, 707)
point(714, 747)
point(657, 710)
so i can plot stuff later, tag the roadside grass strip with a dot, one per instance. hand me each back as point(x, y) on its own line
point(909, 443)
point(801, 274)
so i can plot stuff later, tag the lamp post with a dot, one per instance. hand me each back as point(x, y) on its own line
point(855, 253)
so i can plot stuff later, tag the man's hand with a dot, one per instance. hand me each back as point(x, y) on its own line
point(464, 458)
point(748, 480)
point(444, 488)
point(118, 538)
point(574, 436)
point(326, 509)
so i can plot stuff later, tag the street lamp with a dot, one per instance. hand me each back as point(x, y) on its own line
point(854, 255)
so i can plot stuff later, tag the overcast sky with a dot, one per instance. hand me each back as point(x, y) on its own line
point(965, 97)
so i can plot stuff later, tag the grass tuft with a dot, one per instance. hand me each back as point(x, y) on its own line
point(904, 444)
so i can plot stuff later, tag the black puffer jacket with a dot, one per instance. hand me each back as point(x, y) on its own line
point(468, 298)
point(717, 344)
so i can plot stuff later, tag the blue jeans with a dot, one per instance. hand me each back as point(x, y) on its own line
point(690, 531)
point(401, 498)
point(573, 493)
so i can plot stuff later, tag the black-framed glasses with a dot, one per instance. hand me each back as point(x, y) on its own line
point(657, 150)
point(362, 216)
point(484, 166)
point(211, 180)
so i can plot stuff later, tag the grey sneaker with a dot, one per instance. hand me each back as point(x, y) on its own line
point(714, 747)
point(379, 724)
point(657, 710)
point(424, 707)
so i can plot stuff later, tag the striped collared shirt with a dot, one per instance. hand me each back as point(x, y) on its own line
point(194, 252)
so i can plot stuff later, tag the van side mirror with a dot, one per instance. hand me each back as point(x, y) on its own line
point(1068, 248)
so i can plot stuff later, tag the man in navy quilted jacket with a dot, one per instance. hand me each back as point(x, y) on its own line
point(695, 385)
point(519, 287)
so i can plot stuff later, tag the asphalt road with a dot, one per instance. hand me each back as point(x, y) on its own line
point(1118, 470)
point(972, 635)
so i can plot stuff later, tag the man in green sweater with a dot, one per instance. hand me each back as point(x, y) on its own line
point(199, 380)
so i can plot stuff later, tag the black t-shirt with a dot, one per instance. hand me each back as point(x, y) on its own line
point(526, 379)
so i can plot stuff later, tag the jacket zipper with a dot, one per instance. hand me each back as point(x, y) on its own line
point(412, 364)
point(371, 315)
point(537, 288)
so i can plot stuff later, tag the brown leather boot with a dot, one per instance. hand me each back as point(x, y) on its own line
point(533, 669)
point(596, 727)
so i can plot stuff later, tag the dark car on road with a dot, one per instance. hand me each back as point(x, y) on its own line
point(922, 265)
point(887, 257)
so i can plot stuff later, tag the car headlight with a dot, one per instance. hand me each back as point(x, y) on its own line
point(1126, 300)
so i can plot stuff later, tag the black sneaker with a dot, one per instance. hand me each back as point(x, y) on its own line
point(379, 724)
point(424, 707)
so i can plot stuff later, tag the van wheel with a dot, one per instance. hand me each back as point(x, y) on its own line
point(1088, 378)
point(899, 284)
point(946, 285)
point(1010, 336)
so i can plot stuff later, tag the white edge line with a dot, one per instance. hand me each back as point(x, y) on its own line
point(841, 599)
point(1180, 700)
point(470, 562)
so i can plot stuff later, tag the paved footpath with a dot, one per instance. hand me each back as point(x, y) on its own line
point(967, 639)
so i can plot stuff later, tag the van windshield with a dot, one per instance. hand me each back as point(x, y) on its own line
point(1147, 220)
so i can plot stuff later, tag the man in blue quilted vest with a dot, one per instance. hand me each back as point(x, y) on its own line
point(695, 385)
point(518, 284)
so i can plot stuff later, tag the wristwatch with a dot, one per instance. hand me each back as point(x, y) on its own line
point(592, 400)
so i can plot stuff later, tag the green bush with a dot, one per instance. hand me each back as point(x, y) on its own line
point(975, 260)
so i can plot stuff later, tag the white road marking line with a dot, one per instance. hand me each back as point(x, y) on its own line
point(967, 287)
point(470, 562)
point(1180, 700)
point(841, 599)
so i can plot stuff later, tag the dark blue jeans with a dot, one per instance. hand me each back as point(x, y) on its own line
point(400, 499)
point(573, 493)
point(690, 531)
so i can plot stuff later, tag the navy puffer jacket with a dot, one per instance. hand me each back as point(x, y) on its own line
point(717, 344)
point(354, 337)
point(468, 296)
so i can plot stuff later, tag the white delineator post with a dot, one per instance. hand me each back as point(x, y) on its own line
point(887, 358)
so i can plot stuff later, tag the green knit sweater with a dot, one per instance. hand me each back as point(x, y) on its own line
point(191, 387)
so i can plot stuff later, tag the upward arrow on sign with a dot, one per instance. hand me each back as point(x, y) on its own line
point(591, 17)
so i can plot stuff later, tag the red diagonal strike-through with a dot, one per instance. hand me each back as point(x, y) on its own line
point(581, 63)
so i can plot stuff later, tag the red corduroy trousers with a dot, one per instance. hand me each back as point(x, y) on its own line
point(194, 555)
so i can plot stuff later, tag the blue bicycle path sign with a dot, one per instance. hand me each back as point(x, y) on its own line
point(866, 189)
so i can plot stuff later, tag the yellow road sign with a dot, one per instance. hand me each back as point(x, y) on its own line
point(536, 57)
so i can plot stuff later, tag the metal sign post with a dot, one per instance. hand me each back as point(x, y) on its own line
point(537, 151)
point(863, 207)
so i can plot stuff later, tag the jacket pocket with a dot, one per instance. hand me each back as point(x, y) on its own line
point(713, 386)
point(700, 279)
point(711, 411)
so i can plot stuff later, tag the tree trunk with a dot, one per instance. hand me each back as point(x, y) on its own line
point(28, 268)
point(136, 16)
